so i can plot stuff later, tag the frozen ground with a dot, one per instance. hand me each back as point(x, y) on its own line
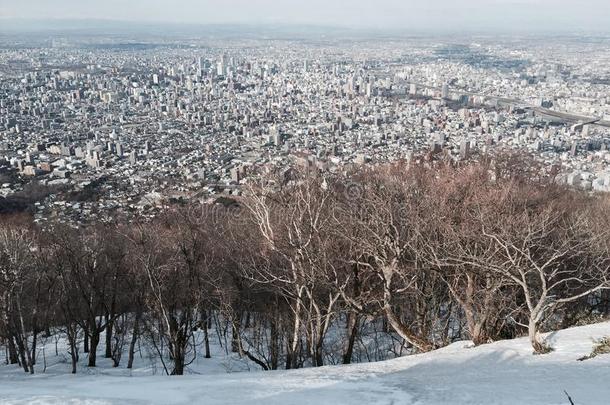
point(500, 373)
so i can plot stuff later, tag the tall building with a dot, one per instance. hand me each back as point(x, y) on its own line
point(276, 136)
point(465, 148)
point(445, 91)
point(200, 66)
point(574, 149)
point(220, 67)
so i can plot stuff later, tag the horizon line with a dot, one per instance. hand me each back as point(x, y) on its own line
point(469, 30)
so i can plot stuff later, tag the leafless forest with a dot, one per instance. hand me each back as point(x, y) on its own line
point(428, 254)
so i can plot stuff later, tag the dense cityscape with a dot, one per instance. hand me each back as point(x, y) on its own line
point(93, 126)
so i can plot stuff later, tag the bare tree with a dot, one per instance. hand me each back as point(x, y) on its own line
point(84, 266)
point(18, 280)
point(389, 215)
point(295, 225)
point(544, 248)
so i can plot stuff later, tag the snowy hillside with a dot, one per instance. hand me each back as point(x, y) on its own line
point(505, 372)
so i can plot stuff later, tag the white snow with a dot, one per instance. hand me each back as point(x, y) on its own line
point(504, 372)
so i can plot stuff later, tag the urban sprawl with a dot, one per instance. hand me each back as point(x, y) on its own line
point(99, 127)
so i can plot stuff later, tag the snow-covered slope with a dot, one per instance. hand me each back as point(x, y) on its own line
point(505, 372)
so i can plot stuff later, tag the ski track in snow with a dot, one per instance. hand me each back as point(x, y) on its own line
point(504, 372)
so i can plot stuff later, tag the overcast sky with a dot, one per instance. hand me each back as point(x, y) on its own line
point(534, 15)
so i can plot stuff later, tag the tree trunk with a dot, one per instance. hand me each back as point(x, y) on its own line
point(12, 351)
point(290, 357)
point(109, 331)
point(86, 340)
point(319, 358)
point(421, 344)
point(352, 327)
point(404, 332)
point(234, 337)
point(116, 359)
point(22, 357)
point(132, 344)
point(538, 344)
point(178, 356)
point(476, 327)
point(95, 340)
point(479, 333)
point(74, 354)
point(34, 341)
point(206, 340)
point(28, 354)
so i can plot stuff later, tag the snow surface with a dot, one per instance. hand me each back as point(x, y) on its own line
point(504, 372)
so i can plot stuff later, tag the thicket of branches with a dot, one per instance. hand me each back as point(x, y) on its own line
point(431, 254)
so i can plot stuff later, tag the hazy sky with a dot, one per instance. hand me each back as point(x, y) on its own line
point(417, 14)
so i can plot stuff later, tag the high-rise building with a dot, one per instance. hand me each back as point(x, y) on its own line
point(200, 66)
point(369, 89)
point(574, 149)
point(445, 91)
point(276, 136)
point(220, 67)
point(465, 148)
